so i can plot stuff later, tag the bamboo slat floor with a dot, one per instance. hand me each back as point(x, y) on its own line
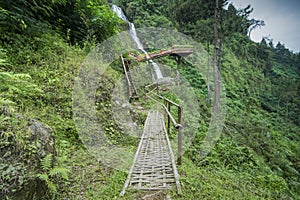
point(154, 165)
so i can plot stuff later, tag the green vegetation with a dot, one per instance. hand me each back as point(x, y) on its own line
point(42, 46)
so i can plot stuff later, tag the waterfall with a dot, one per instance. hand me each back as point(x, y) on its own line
point(119, 12)
point(136, 39)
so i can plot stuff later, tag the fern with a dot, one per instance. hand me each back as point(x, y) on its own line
point(44, 177)
point(5, 75)
point(22, 76)
point(50, 174)
point(46, 162)
point(52, 187)
point(59, 171)
point(15, 88)
point(5, 102)
point(2, 55)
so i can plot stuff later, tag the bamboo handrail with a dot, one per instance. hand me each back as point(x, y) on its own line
point(127, 78)
point(177, 125)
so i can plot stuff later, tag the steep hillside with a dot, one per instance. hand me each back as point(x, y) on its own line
point(42, 47)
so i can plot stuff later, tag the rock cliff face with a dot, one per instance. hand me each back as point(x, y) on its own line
point(23, 143)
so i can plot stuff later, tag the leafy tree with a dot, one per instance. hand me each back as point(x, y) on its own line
point(232, 21)
point(282, 54)
point(75, 19)
point(264, 53)
point(254, 24)
point(147, 13)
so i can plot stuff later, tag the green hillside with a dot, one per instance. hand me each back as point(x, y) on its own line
point(44, 43)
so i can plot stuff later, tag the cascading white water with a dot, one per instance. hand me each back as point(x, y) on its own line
point(134, 36)
point(119, 12)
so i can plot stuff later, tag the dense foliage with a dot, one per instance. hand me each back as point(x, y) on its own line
point(74, 20)
point(42, 46)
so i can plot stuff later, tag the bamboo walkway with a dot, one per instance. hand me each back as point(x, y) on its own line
point(154, 165)
point(173, 51)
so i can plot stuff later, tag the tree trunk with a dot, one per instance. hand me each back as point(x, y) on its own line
point(216, 105)
point(220, 42)
point(208, 74)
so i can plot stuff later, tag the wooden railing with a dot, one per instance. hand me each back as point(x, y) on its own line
point(132, 92)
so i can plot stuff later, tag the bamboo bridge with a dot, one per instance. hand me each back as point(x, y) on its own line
point(154, 165)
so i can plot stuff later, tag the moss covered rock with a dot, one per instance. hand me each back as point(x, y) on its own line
point(23, 143)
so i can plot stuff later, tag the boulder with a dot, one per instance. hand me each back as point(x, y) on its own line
point(23, 144)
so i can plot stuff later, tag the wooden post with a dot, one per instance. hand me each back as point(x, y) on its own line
point(169, 119)
point(165, 113)
point(126, 77)
point(179, 136)
point(178, 69)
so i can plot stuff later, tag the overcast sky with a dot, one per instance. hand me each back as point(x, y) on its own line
point(282, 19)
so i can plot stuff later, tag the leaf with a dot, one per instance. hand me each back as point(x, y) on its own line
point(60, 171)
point(52, 187)
point(22, 76)
point(4, 102)
point(4, 75)
point(46, 162)
point(43, 177)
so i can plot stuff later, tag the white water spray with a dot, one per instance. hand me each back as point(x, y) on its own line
point(119, 12)
point(134, 36)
